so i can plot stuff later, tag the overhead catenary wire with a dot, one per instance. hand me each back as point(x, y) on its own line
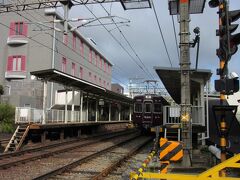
point(150, 75)
point(119, 43)
point(175, 35)
point(54, 50)
point(52, 37)
point(58, 41)
point(80, 55)
point(161, 33)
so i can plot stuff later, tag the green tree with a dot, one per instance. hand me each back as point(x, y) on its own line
point(7, 113)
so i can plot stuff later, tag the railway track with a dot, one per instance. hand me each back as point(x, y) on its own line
point(38, 163)
point(100, 163)
point(9, 159)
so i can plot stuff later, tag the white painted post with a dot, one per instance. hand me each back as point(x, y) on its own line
point(81, 106)
point(110, 112)
point(44, 101)
point(66, 110)
point(73, 106)
point(202, 110)
point(87, 110)
point(130, 113)
point(207, 112)
point(96, 111)
point(119, 112)
point(202, 103)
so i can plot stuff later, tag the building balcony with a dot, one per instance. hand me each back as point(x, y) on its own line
point(15, 74)
point(17, 40)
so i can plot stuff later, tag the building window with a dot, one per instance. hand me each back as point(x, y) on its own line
point(18, 28)
point(100, 81)
point(100, 66)
point(90, 76)
point(104, 84)
point(95, 78)
point(74, 41)
point(109, 68)
point(96, 59)
point(73, 69)
point(16, 63)
point(90, 55)
point(65, 39)
point(64, 64)
point(81, 72)
point(81, 48)
point(105, 66)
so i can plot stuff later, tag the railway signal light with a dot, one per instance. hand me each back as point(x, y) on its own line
point(234, 40)
point(228, 86)
point(228, 42)
point(213, 3)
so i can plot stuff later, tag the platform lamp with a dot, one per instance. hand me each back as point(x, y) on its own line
point(228, 113)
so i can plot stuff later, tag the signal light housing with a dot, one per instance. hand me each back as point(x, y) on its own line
point(213, 3)
point(228, 86)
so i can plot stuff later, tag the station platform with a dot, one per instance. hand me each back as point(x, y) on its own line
point(36, 126)
point(41, 133)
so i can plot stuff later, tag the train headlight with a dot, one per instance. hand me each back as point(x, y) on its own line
point(148, 97)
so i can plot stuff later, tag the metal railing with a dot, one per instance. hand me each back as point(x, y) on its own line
point(32, 115)
point(171, 115)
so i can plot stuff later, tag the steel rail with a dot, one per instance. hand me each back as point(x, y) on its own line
point(34, 149)
point(82, 160)
point(113, 166)
point(58, 151)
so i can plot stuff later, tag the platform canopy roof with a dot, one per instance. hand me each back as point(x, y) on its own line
point(171, 79)
point(69, 81)
point(195, 6)
point(135, 4)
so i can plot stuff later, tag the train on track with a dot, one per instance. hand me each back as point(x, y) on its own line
point(148, 111)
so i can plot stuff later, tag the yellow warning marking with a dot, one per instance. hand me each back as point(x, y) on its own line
point(185, 117)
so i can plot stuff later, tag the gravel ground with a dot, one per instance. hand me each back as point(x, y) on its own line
point(89, 169)
point(35, 168)
point(130, 165)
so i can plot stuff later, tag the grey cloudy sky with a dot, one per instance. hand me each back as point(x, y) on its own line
point(144, 36)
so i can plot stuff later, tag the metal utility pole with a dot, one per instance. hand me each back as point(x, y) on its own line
point(185, 81)
point(226, 85)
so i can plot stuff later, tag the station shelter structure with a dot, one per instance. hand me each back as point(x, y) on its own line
point(199, 80)
point(80, 101)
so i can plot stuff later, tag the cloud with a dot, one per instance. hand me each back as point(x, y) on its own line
point(144, 37)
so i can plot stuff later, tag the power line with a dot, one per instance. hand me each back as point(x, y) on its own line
point(160, 29)
point(128, 43)
point(50, 48)
point(132, 58)
point(175, 34)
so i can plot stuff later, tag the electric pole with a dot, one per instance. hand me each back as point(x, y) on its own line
point(185, 81)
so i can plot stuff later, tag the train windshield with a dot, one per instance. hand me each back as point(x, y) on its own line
point(157, 107)
point(138, 107)
point(148, 107)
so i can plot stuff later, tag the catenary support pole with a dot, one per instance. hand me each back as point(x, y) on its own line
point(185, 81)
point(66, 106)
point(73, 118)
point(44, 101)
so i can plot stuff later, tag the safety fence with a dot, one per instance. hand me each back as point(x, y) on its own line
point(171, 115)
point(32, 115)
